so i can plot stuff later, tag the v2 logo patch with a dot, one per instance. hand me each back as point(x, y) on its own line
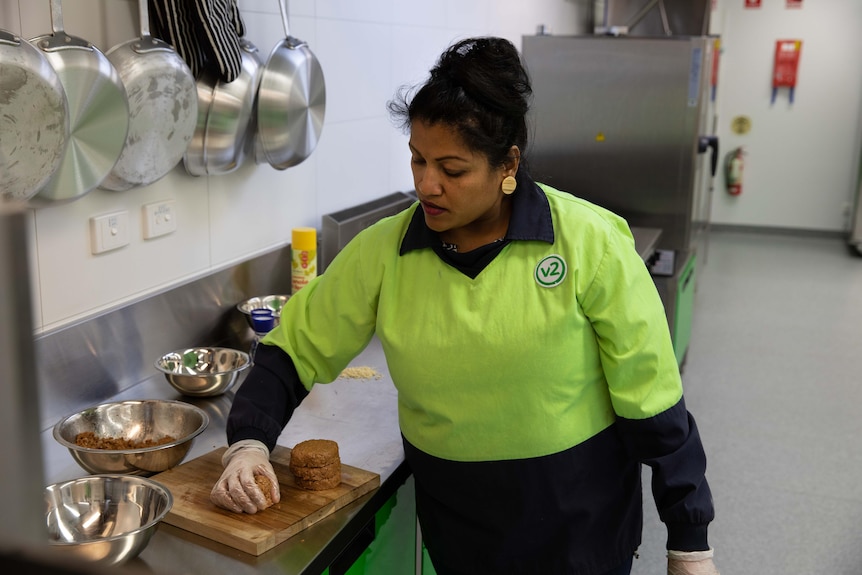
point(551, 271)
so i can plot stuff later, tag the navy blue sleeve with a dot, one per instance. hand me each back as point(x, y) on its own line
point(266, 400)
point(670, 444)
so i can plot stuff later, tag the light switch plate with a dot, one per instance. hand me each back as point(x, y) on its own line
point(109, 232)
point(159, 219)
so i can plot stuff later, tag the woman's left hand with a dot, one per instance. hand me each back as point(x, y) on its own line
point(691, 563)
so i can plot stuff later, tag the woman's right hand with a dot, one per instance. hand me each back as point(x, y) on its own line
point(236, 489)
point(691, 563)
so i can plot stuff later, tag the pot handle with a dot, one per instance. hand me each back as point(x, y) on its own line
point(59, 40)
point(291, 42)
point(282, 4)
point(8, 38)
point(57, 17)
point(147, 42)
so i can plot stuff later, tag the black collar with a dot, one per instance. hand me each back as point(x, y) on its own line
point(530, 220)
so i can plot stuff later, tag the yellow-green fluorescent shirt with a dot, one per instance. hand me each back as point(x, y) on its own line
point(534, 375)
point(538, 353)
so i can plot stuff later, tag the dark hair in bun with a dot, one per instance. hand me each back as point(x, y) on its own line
point(480, 87)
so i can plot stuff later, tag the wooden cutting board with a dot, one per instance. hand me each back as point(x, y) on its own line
point(191, 483)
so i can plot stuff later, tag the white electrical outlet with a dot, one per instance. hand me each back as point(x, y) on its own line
point(109, 232)
point(159, 219)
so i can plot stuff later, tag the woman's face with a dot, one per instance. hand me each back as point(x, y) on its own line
point(459, 190)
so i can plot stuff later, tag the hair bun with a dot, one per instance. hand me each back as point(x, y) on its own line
point(485, 67)
point(480, 87)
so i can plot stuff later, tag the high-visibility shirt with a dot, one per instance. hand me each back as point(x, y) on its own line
point(540, 383)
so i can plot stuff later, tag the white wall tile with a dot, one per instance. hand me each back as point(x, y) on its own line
point(356, 59)
point(254, 208)
point(400, 176)
point(294, 7)
point(75, 282)
point(33, 264)
point(470, 14)
point(353, 163)
point(378, 11)
point(267, 32)
point(10, 17)
point(414, 51)
point(419, 13)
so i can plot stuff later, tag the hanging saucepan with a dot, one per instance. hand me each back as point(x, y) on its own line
point(225, 118)
point(195, 159)
point(98, 112)
point(163, 108)
point(291, 102)
point(34, 119)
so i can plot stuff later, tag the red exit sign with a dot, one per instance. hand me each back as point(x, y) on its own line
point(752, 3)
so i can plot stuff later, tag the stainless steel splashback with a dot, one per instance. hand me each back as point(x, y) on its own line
point(103, 356)
point(340, 227)
point(81, 365)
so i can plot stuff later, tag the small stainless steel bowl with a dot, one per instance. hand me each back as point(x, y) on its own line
point(136, 421)
point(203, 371)
point(106, 519)
point(272, 302)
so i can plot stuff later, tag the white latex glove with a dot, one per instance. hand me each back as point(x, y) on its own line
point(691, 563)
point(236, 489)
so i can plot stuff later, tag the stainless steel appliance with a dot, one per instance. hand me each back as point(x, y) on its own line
point(652, 17)
point(625, 122)
point(621, 121)
point(338, 228)
point(21, 523)
point(855, 238)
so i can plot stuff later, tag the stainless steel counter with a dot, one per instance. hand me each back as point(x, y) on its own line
point(646, 241)
point(361, 415)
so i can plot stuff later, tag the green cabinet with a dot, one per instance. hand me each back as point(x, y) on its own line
point(390, 539)
point(677, 295)
point(427, 567)
point(681, 331)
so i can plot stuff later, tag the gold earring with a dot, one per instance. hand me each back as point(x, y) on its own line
point(509, 185)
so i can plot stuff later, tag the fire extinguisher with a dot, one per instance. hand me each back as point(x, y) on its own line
point(733, 166)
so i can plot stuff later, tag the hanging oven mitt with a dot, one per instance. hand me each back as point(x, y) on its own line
point(205, 33)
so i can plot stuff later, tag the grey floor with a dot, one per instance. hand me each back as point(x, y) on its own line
point(773, 377)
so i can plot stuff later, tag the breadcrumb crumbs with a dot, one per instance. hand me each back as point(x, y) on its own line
point(361, 372)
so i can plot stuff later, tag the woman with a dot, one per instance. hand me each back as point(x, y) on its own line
point(528, 344)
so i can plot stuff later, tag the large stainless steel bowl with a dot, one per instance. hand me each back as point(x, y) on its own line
point(270, 302)
point(106, 519)
point(203, 371)
point(136, 421)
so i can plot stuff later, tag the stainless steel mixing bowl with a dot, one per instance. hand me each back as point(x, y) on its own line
point(271, 302)
point(107, 519)
point(136, 421)
point(203, 371)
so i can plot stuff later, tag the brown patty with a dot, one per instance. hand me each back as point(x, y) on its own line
point(266, 486)
point(314, 453)
point(320, 484)
point(317, 473)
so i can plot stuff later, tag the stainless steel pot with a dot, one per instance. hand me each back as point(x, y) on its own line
point(194, 158)
point(226, 120)
point(98, 112)
point(291, 102)
point(34, 119)
point(163, 108)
